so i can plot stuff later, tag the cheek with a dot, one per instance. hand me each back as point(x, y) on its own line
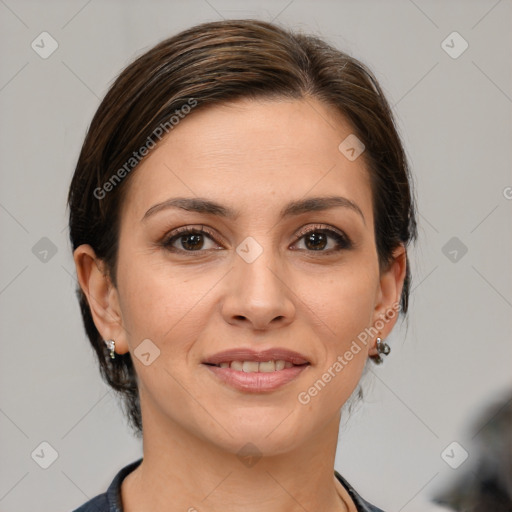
point(343, 301)
point(341, 308)
point(160, 303)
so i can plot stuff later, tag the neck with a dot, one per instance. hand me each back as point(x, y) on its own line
point(182, 472)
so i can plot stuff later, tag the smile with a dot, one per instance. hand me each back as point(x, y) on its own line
point(256, 372)
point(255, 366)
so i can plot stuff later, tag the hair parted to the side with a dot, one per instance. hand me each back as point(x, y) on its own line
point(213, 63)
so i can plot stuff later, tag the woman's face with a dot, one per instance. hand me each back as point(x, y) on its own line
point(270, 273)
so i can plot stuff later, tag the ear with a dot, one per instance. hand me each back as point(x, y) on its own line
point(389, 294)
point(101, 295)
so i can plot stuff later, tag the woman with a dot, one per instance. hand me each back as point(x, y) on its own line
point(239, 215)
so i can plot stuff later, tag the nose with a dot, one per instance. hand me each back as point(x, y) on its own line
point(258, 295)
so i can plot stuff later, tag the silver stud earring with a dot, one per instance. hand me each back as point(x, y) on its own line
point(382, 348)
point(111, 344)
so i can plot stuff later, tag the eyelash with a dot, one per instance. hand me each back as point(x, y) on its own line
point(342, 240)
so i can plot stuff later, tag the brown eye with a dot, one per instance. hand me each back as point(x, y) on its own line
point(316, 241)
point(189, 240)
point(323, 240)
point(192, 242)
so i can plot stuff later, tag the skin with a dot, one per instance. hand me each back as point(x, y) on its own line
point(255, 157)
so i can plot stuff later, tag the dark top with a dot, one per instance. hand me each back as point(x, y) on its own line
point(110, 501)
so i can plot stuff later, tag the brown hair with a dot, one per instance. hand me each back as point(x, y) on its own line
point(214, 63)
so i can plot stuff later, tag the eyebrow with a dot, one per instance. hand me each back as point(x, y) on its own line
point(202, 205)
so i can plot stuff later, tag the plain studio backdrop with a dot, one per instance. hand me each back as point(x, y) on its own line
point(445, 67)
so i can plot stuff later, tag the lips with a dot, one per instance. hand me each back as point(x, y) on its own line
point(256, 371)
point(255, 366)
point(240, 354)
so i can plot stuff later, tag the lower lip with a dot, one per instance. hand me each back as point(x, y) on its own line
point(256, 382)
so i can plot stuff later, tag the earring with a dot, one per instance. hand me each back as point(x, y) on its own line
point(111, 344)
point(382, 348)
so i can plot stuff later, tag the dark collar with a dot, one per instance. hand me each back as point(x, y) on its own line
point(113, 493)
point(361, 504)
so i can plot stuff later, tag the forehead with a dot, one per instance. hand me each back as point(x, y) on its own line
point(252, 153)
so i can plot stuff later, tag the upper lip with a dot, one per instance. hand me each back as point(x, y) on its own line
point(247, 354)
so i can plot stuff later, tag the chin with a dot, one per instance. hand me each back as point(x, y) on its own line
point(254, 443)
point(265, 432)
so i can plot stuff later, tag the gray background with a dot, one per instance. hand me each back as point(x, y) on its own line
point(455, 119)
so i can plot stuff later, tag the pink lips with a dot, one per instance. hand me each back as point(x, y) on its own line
point(256, 382)
point(246, 354)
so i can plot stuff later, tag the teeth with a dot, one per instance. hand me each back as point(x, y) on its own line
point(254, 366)
point(268, 366)
point(237, 365)
point(250, 366)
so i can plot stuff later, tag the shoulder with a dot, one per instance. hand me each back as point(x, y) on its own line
point(110, 500)
point(97, 504)
point(361, 504)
